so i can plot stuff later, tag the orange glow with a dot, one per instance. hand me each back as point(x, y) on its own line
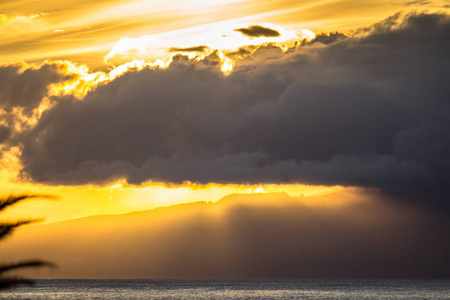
point(119, 198)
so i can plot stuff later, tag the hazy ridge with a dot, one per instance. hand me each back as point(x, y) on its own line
point(244, 236)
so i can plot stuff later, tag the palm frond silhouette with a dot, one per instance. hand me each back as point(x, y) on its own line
point(6, 229)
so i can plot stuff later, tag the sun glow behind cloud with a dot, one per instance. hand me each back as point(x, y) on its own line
point(220, 36)
point(130, 36)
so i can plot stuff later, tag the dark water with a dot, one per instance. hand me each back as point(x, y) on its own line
point(232, 289)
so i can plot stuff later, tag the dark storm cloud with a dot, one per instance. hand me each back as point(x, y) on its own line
point(25, 87)
point(258, 31)
point(371, 110)
point(190, 49)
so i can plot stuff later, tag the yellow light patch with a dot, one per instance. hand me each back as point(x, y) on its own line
point(119, 198)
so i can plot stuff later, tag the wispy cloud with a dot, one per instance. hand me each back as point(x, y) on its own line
point(190, 49)
point(418, 2)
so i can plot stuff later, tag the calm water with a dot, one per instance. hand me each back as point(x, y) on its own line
point(232, 289)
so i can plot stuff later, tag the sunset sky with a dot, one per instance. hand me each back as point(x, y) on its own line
point(121, 106)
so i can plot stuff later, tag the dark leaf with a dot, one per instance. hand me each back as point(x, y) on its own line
point(13, 199)
point(7, 228)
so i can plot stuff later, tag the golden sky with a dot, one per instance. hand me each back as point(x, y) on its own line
point(86, 31)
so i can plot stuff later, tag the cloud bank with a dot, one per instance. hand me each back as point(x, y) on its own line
point(370, 110)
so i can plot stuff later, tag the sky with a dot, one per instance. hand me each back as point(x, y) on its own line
point(122, 106)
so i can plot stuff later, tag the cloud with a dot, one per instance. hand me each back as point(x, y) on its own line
point(25, 87)
point(418, 2)
point(137, 46)
point(5, 133)
point(371, 111)
point(325, 38)
point(258, 31)
point(16, 24)
point(189, 49)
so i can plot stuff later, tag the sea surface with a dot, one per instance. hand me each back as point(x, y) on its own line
point(232, 289)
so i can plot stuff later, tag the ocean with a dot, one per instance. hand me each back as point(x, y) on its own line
point(232, 289)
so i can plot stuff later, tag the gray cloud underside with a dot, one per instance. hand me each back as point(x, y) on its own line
point(258, 31)
point(366, 111)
